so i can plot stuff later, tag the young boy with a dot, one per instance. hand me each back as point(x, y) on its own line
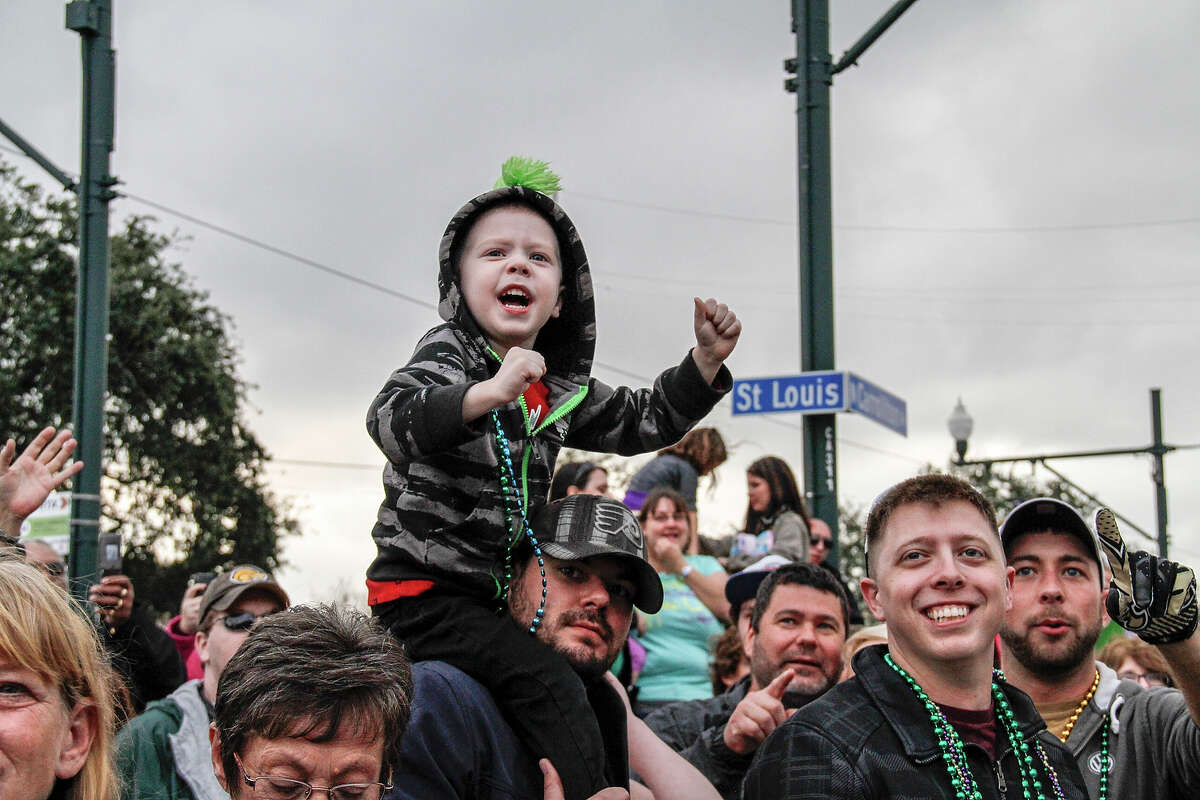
point(471, 427)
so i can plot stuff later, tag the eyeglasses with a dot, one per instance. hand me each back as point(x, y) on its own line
point(815, 541)
point(269, 787)
point(678, 516)
point(243, 621)
point(1150, 680)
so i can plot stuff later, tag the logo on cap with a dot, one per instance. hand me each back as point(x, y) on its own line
point(246, 575)
point(611, 520)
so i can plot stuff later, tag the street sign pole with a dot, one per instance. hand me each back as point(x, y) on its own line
point(92, 20)
point(812, 66)
point(814, 69)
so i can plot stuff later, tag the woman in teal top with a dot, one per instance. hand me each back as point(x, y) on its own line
point(678, 639)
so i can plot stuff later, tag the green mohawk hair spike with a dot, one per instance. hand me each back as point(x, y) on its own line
point(521, 171)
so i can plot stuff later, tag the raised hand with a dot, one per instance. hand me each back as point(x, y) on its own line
point(758, 714)
point(717, 332)
point(520, 368)
point(26, 482)
point(113, 597)
point(1151, 596)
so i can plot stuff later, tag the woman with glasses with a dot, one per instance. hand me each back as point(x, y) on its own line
point(1134, 660)
point(777, 521)
point(679, 638)
point(56, 708)
point(312, 705)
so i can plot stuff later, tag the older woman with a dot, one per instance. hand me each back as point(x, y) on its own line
point(315, 697)
point(56, 708)
point(678, 639)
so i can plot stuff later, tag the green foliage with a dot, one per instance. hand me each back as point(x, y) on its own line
point(536, 175)
point(183, 476)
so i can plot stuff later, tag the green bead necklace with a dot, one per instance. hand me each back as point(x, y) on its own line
point(515, 521)
point(955, 758)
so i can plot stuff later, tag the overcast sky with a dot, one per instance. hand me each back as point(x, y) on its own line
point(1016, 193)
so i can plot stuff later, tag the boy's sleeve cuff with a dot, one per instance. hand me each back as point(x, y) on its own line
point(442, 426)
point(690, 393)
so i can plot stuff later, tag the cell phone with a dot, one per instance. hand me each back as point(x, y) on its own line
point(201, 577)
point(109, 560)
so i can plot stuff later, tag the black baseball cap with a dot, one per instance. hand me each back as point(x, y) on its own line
point(225, 589)
point(1048, 514)
point(584, 525)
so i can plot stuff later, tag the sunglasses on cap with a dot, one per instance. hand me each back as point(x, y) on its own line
point(243, 621)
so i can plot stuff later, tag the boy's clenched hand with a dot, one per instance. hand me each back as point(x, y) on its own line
point(717, 332)
point(519, 369)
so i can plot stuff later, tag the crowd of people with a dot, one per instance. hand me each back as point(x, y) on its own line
point(531, 636)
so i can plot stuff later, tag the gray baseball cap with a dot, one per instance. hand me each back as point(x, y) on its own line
point(1048, 514)
point(583, 525)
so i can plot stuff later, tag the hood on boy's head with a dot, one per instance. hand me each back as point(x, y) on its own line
point(567, 341)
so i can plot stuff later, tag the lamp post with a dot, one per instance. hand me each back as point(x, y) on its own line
point(960, 425)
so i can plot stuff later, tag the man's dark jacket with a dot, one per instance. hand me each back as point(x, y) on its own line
point(871, 737)
point(696, 730)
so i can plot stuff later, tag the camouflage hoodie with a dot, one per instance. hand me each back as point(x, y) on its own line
point(442, 517)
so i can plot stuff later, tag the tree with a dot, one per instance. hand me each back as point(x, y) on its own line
point(183, 474)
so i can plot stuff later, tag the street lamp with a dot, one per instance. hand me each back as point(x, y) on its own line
point(960, 425)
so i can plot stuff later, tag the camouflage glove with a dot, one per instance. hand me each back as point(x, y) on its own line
point(1151, 596)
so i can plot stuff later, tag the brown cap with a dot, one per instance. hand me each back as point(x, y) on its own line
point(225, 589)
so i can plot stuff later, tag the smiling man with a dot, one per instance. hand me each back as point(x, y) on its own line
point(924, 716)
point(593, 572)
point(1129, 741)
point(793, 641)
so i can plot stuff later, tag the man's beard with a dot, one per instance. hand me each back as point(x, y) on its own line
point(583, 660)
point(802, 688)
point(1051, 661)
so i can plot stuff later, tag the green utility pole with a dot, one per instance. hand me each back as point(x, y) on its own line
point(814, 69)
point(92, 20)
point(1158, 450)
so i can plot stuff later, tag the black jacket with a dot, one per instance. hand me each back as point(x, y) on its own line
point(443, 513)
point(696, 730)
point(871, 737)
point(144, 656)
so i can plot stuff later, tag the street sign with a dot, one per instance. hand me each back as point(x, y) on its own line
point(807, 393)
point(51, 522)
point(824, 392)
point(878, 404)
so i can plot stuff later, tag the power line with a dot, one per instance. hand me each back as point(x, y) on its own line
point(1087, 226)
point(270, 248)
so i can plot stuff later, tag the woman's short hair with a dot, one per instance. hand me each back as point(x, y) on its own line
point(1146, 656)
point(306, 672)
point(703, 448)
point(44, 631)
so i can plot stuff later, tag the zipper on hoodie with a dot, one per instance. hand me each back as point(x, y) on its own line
point(1000, 783)
point(555, 416)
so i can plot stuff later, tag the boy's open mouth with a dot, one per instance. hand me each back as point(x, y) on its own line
point(515, 297)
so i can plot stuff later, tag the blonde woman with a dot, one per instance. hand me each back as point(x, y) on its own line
point(56, 708)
